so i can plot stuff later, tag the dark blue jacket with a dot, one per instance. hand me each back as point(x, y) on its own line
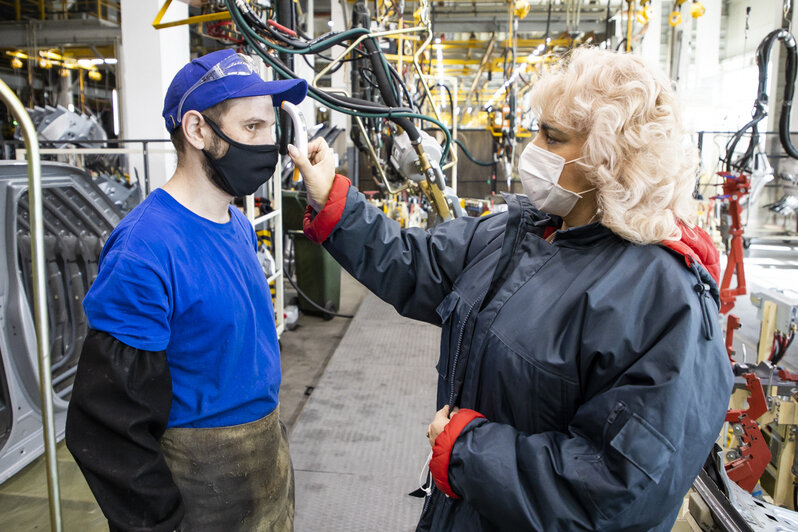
point(598, 364)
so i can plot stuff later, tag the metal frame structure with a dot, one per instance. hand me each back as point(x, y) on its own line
point(198, 19)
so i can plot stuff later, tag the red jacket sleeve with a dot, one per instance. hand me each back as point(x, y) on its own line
point(442, 451)
point(318, 227)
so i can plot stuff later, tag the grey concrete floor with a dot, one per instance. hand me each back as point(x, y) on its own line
point(360, 445)
point(305, 352)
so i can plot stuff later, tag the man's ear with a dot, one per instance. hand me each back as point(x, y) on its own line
point(192, 129)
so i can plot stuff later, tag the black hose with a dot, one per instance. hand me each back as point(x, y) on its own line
point(387, 88)
point(760, 105)
point(326, 311)
point(731, 145)
point(402, 84)
point(363, 106)
point(471, 157)
point(762, 59)
point(319, 44)
point(448, 95)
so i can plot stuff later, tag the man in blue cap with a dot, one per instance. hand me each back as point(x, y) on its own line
point(173, 418)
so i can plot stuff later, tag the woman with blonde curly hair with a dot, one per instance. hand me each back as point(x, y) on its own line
point(582, 374)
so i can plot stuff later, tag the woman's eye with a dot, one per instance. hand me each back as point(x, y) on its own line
point(551, 140)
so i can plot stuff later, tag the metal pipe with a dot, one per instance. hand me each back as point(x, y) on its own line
point(630, 5)
point(376, 160)
point(39, 297)
point(146, 150)
point(82, 93)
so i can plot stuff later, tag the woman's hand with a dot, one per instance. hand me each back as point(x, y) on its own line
point(317, 169)
point(440, 420)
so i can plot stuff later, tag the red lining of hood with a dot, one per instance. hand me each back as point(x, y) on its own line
point(697, 245)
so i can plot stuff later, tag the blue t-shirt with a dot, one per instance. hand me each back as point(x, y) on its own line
point(172, 280)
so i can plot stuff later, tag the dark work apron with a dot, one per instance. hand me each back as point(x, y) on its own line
point(237, 478)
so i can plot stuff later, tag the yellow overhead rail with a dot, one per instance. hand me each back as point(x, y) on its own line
point(108, 10)
point(49, 58)
point(198, 19)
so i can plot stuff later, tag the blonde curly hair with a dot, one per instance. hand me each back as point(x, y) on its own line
point(637, 152)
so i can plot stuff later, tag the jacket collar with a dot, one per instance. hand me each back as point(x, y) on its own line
point(534, 221)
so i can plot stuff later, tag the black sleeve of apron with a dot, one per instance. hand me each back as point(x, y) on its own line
point(411, 269)
point(118, 412)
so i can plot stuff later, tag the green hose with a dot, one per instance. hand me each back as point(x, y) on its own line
point(250, 35)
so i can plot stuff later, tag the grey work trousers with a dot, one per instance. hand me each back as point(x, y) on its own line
point(237, 478)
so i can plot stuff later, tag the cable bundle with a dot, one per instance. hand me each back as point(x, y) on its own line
point(250, 24)
point(761, 103)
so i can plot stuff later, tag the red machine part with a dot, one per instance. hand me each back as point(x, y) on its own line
point(754, 452)
point(735, 187)
point(786, 375)
point(732, 324)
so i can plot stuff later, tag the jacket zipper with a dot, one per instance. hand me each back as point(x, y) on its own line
point(459, 345)
point(428, 498)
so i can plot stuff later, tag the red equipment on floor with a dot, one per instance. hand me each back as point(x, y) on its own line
point(754, 452)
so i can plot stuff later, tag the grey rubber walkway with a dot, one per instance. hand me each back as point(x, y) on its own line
point(359, 444)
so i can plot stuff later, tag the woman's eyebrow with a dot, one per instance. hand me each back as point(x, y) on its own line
point(547, 127)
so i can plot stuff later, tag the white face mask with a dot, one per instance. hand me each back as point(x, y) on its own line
point(540, 172)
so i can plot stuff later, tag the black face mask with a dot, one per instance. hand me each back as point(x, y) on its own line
point(245, 167)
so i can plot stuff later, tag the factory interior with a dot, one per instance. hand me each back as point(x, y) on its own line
point(431, 110)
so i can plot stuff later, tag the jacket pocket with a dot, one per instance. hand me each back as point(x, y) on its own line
point(636, 459)
point(644, 446)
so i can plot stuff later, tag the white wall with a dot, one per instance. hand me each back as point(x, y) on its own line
point(148, 61)
point(720, 92)
point(307, 72)
point(340, 79)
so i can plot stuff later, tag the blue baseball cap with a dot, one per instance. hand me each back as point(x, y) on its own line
point(219, 76)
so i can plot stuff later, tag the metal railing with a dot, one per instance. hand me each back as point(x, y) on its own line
point(39, 297)
point(107, 10)
point(143, 147)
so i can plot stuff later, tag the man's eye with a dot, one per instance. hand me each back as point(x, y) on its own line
point(251, 127)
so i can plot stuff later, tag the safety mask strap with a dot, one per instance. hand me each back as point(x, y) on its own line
point(424, 482)
point(256, 148)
